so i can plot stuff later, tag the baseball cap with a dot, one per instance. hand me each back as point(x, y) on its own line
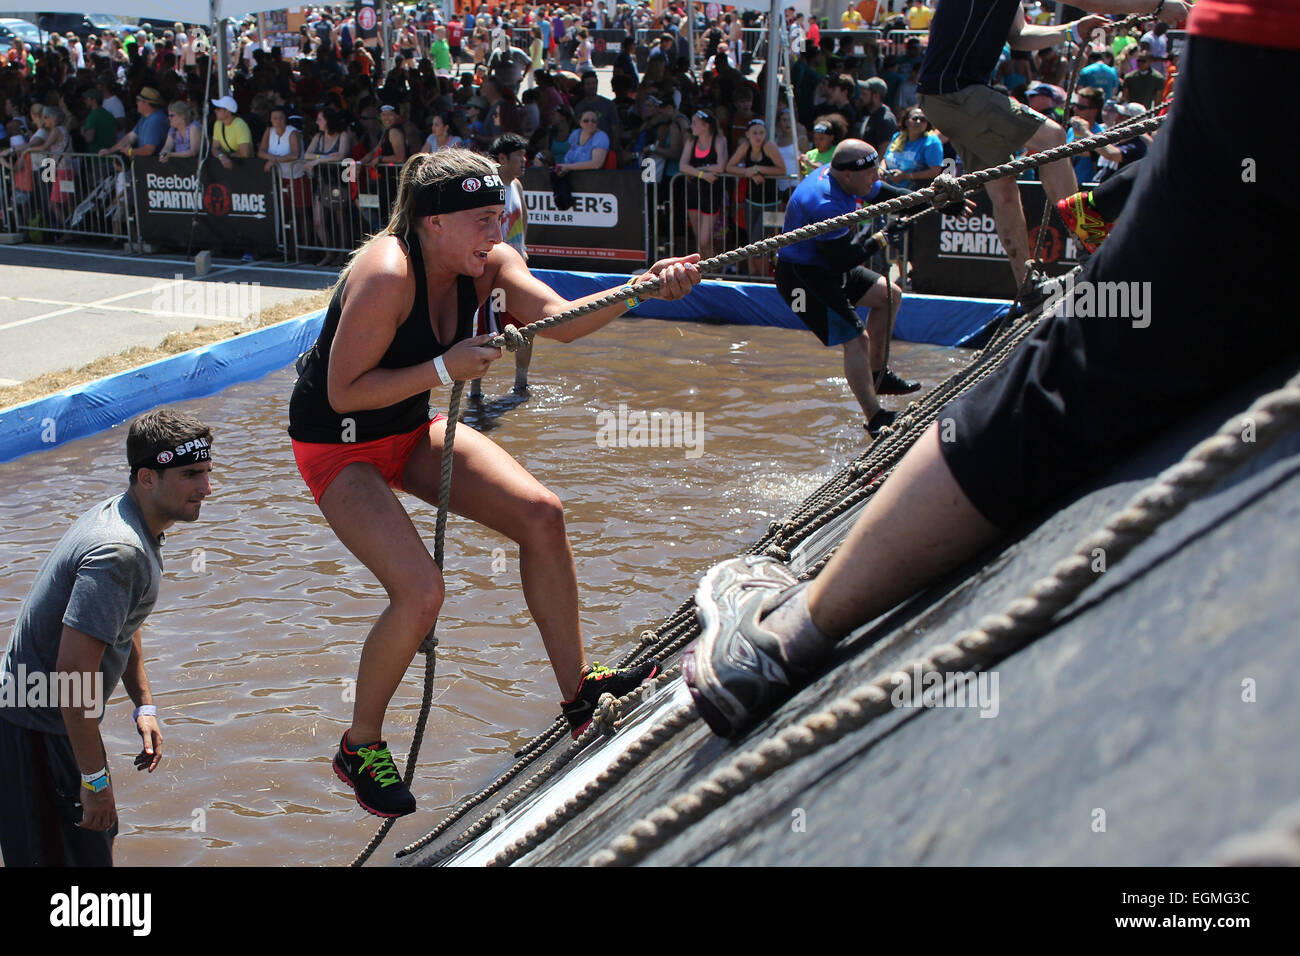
point(226, 103)
point(1047, 89)
point(877, 85)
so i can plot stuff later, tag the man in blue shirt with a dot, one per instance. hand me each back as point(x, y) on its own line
point(825, 282)
point(1097, 73)
point(150, 130)
point(1084, 122)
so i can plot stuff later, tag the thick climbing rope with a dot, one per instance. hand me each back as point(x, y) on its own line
point(605, 723)
point(864, 476)
point(683, 622)
point(944, 191)
point(995, 638)
point(430, 643)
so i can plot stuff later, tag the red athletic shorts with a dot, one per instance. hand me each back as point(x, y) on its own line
point(320, 463)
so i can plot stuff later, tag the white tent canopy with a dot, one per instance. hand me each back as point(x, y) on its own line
point(187, 11)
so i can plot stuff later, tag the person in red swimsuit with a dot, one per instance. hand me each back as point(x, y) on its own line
point(401, 323)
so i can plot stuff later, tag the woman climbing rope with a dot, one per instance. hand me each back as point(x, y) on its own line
point(400, 323)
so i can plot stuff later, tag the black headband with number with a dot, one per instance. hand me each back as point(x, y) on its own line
point(472, 191)
point(189, 453)
point(858, 162)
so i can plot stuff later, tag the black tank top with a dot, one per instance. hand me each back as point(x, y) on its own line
point(312, 419)
point(764, 193)
point(966, 38)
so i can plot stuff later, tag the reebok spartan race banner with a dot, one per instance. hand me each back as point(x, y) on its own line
point(962, 255)
point(220, 208)
point(604, 230)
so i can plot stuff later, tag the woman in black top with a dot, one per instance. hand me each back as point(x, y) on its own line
point(401, 322)
point(703, 161)
point(758, 161)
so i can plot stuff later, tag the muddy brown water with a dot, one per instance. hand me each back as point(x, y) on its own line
point(262, 613)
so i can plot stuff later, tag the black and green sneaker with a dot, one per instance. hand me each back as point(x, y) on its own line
point(597, 680)
point(371, 773)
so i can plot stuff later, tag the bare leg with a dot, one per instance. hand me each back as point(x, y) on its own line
point(493, 489)
point(857, 369)
point(1009, 215)
point(705, 234)
point(373, 525)
point(879, 330)
point(693, 223)
point(920, 518)
point(1058, 177)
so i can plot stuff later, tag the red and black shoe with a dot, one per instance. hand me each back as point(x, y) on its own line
point(1083, 220)
point(597, 680)
point(370, 772)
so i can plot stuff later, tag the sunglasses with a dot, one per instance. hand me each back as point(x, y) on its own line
point(916, 119)
point(587, 119)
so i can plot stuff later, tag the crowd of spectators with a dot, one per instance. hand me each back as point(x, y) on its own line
point(529, 70)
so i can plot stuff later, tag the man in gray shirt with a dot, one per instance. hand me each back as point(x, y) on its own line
point(77, 636)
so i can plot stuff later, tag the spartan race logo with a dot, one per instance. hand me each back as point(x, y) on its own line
point(179, 194)
point(216, 200)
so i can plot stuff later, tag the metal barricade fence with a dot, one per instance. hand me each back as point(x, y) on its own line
point(66, 195)
point(737, 219)
point(897, 43)
point(7, 219)
point(343, 203)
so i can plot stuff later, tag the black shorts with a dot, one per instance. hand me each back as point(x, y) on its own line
point(825, 301)
point(703, 196)
point(40, 803)
point(1082, 392)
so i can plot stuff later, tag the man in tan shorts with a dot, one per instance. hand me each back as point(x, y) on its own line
point(987, 127)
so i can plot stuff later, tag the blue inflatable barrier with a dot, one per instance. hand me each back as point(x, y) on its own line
point(90, 408)
point(937, 320)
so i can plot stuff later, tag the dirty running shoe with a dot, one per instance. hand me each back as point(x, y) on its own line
point(597, 680)
point(1082, 220)
point(891, 383)
point(878, 421)
point(371, 773)
point(736, 672)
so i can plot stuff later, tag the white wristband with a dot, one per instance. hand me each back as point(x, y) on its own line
point(441, 367)
point(144, 710)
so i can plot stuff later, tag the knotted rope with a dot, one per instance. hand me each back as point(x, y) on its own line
point(430, 643)
point(943, 191)
point(995, 638)
point(864, 475)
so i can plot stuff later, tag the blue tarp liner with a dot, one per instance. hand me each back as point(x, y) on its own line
point(938, 320)
point(95, 406)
